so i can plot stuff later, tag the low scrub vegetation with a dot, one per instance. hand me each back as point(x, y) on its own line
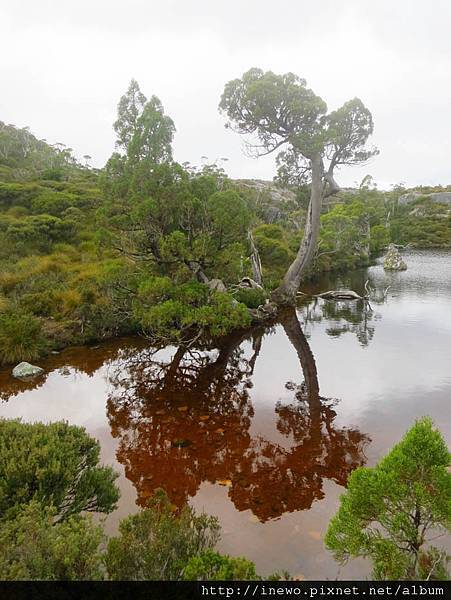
point(50, 477)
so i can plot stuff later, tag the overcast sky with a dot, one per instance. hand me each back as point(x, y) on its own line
point(64, 64)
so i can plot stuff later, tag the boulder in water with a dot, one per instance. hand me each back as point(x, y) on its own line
point(393, 260)
point(26, 371)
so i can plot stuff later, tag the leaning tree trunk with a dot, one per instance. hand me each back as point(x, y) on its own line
point(285, 294)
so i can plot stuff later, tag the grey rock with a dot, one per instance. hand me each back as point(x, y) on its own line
point(26, 371)
point(216, 285)
point(409, 197)
point(269, 197)
point(435, 197)
point(441, 197)
point(248, 283)
point(393, 260)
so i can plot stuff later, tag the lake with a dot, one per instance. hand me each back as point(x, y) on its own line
point(264, 430)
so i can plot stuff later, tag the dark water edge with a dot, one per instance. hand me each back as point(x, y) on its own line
point(264, 430)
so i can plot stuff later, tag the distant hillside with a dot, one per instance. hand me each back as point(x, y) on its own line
point(23, 157)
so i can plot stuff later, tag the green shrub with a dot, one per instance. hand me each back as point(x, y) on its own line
point(51, 202)
point(271, 231)
point(389, 509)
point(53, 464)
point(55, 174)
point(251, 297)
point(17, 194)
point(39, 232)
point(20, 337)
point(157, 543)
point(34, 548)
point(212, 566)
point(168, 310)
point(379, 238)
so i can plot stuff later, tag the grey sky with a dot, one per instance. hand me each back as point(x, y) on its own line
point(64, 65)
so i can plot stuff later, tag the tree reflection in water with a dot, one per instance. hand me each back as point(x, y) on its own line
point(185, 421)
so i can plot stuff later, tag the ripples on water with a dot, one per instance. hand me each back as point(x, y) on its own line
point(264, 430)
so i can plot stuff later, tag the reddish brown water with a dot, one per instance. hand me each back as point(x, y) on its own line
point(264, 430)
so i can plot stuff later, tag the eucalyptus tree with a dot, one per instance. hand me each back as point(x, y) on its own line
point(281, 112)
point(130, 107)
point(144, 131)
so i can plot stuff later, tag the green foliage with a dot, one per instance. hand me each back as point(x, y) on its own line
point(37, 232)
point(281, 109)
point(21, 337)
point(52, 202)
point(143, 131)
point(273, 244)
point(353, 117)
point(389, 510)
point(157, 543)
point(34, 548)
point(212, 566)
point(270, 231)
point(251, 297)
point(182, 222)
point(53, 464)
point(379, 238)
point(345, 236)
point(129, 109)
point(53, 174)
point(255, 104)
point(18, 194)
point(152, 137)
point(167, 310)
point(424, 226)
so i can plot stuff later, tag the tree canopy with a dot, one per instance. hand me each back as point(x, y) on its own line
point(391, 511)
point(281, 111)
point(143, 130)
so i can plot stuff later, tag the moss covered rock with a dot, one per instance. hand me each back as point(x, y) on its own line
point(26, 371)
point(393, 260)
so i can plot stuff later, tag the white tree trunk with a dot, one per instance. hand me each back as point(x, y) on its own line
point(285, 294)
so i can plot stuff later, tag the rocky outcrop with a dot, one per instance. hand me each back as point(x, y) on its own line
point(393, 260)
point(270, 198)
point(435, 197)
point(26, 371)
point(441, 197)
point(268, 188)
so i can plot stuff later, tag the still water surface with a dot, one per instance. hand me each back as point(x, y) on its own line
point(264, 430)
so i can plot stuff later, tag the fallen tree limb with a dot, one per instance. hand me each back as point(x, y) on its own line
point(343, 294)
point(340, 295)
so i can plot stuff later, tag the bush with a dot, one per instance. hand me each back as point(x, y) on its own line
point(20, 337)
point(379, 238)
point(169, 311)
point(39, 232)
point(51, 202)
point(388, 510)
point(53, 464)
point(55, 174)
point(251, 297)
point(212, 566)
point(157, 543)
point(34, 548)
